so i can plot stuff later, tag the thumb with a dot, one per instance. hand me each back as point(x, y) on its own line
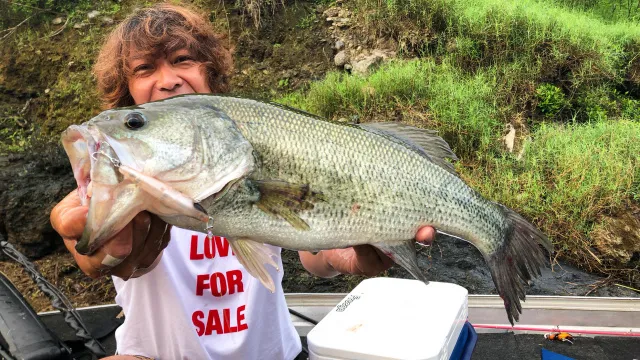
point(69, 222)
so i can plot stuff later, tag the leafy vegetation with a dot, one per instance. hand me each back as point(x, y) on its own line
point(566, 178)
point(435, 96)
point(563, 74)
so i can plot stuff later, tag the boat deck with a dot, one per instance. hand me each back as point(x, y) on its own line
point(587, 315)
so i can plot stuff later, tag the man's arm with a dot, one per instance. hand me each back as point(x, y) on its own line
point(358, 260)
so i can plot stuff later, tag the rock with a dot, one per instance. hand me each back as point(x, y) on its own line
point(288, 74)
point(15, 157)
point(29, 189)
point(510, 138)
point(369, 63)
point(343, 22)
point(79, 25)
point(91, 15)
point(331, 12)
point(57, 21)
point(618, 238)
point(107, 20)
point(341, 58)
point(344, 13)
point(339, 45)
point(348, 67)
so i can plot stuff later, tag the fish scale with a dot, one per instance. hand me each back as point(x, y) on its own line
point(268, 174)
point(384, 181)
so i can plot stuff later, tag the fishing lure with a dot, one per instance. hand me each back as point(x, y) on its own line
point(560, 336)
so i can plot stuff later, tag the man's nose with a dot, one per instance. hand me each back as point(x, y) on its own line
point(168, 79)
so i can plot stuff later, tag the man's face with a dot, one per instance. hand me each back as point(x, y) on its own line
point(157, 78)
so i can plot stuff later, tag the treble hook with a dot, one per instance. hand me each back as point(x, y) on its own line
point(114, 161)
point(209, 227)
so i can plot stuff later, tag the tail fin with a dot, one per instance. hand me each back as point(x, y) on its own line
point(517, 261)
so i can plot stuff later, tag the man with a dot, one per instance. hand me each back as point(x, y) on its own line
point(195, 300)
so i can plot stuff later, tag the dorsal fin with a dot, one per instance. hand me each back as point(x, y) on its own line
point(424, 141)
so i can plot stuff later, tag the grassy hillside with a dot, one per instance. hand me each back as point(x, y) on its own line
point(561, 78)
point(565, 76)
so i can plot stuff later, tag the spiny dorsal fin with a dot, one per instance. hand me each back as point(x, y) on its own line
point(280, 198)
point(424, 141)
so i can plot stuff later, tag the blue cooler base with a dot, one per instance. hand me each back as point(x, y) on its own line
point(465, 344)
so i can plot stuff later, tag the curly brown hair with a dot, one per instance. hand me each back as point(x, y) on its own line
point(154, 31)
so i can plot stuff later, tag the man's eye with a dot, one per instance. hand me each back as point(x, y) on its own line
point(141, 68)
point(183, 58)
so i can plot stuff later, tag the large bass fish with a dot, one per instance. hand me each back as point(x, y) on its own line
point(260, 173)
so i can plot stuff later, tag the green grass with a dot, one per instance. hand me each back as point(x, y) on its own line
point(573, 49)
point(519, 23)
point(460, 106)
point(568, 177)
point(608, 10)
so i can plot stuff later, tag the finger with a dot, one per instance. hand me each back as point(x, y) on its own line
point(68, 217)
point(157, 232)
point(426, 235)
point(141, 271)
point(387, 262)
point(113, 252)
point(140, 226)
point(152, 254)
point(368, 260)
point(157, 240)
point(150, 239)
point(70, 222)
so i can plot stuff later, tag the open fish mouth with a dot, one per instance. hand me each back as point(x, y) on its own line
point(114, 190)
point(95, 169)
point(83, 144)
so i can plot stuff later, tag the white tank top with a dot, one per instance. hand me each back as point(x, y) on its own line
point(200, 303)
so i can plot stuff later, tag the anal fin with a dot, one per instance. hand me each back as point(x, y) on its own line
point(404, 254)
point(254, 256)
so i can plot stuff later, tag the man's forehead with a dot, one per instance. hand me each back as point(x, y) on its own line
point(137, 54)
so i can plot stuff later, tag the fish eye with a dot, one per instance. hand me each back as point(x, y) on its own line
point(134, 120)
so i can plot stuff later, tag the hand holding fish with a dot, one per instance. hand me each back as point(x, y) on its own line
point(358, 260)
point(132, 252)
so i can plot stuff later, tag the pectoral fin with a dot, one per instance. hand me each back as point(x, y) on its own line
point(280, 198)
point(253, 256)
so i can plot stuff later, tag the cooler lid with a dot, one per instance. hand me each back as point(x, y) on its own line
point(388, 318)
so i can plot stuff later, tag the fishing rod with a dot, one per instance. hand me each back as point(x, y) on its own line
point(58, 300)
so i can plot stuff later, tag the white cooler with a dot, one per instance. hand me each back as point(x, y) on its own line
point(387, 318)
